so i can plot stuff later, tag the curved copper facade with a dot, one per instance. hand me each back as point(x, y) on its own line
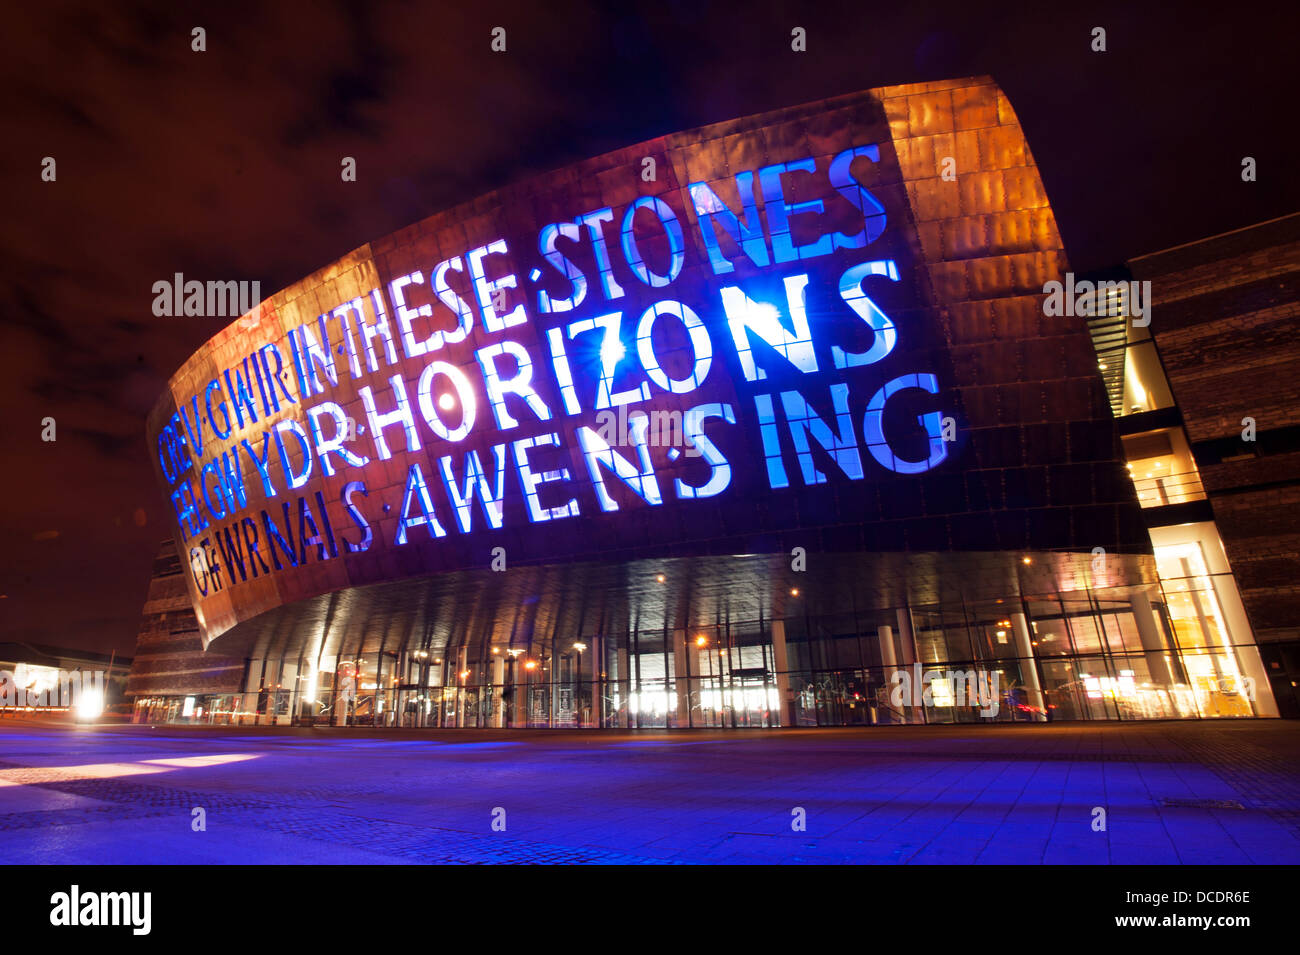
point(841, 300)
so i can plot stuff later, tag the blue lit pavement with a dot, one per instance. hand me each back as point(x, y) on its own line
point(1191, 793)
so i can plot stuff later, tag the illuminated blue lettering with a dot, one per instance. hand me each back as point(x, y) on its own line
point(306, 519)
point(701, 345)
point(459, 307)
point(612, 352)
point(426, 518)
point(597, 452)
point(379, 329)
point(215, 385)
point(261, 383)
point(520, 385)
point(349, 339)
point(352, 487)
point(464, 398)
point(872, 211)
point(166, 456)
point(231, 477)
point(295, 350)
point(779, 212)
point(563, 373)
point(254, 555)
point(195, 570)
point(713, 212)
point(546, 241)
point(532, 481)
point(693, 431)
point(317, 356)
point(181, 457)
point(744, 315)
point(232, 554)
point(841, 444)
point(771, 437)
point(182, 461)
point(263, 463)
point(873, 426)
point(293, 480)
point(273, 378)
point(593, 221)
point(218, 512)
point(193, 426)
point(273, 537)
point(476, 482)
point(877, 321)
point(214, 565)
point(241, 396)
point(325, 521)
point(334, 445)
point(187, 510)
point(485, 289)
point(673, 229)
point(399, 415)
point(406, 314)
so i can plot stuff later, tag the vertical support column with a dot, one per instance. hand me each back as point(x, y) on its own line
point(498, 690)
point(435, 681)
point(462, 661)
point(310, 689)
point(598, 652)
point(554, 676)
point(1029, 665)
point(1154, 646)
point(907, 644)
point(270, 677)
point(681, 678)
point(1242, 640)
point(379, 702)
point(626, 686)
point(1203, 620)
point(288, 681)
point(889, 664)
point(575, 680)
point(523, 687)
point(781, 666)
point(341, 703)
point(251, 688)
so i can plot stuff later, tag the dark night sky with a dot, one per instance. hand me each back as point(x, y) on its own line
point(225, 165)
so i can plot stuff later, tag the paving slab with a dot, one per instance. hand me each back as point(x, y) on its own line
point(1195, 793)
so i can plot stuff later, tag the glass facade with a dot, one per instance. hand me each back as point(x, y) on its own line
point(210, 709)
point(1169, 651)
point(1162, 467)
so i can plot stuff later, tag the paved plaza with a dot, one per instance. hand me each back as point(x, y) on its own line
point(1172, 792)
